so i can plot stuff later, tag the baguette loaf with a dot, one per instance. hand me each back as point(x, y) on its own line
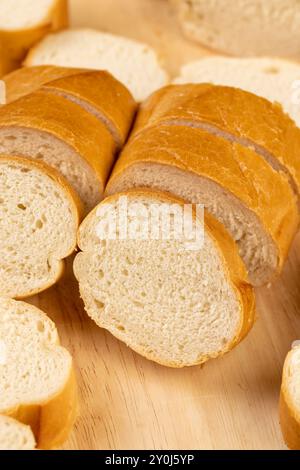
point(243, 27)
point(26, 80)
point(176, 306)
point(235, 115)
point(15, 436)
point(50, 128)
point(37, 381)
point(133, 63)
point(274, 79)
point(254, 202)
point(23, 23)
point(39, 219)
point(97, 92)
point(290, 400)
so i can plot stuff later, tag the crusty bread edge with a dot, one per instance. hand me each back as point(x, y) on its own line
point(72, 196)
point(233, 265)
point(289, 418)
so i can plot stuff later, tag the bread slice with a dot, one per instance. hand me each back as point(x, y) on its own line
point(235, 115)
point(24, 22)
point(133, 63)
point(243, 27)
point(290, 399)
point(277, 80)
point(50, 128)
point(97, 92)
point(39, 216)
point(254, 202)
point(37, 381)
point(15, 436)
point(174, 305)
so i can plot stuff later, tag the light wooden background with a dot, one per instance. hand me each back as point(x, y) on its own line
point(128, 402)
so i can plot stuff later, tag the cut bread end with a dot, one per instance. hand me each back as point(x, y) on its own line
point(290, 399)
point(39, 218)
point(173, 305)
point(15, 435)
point(36, 381)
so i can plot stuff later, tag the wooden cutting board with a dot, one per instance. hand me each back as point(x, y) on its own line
point(128, 402)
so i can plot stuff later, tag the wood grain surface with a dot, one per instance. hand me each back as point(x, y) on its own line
point(128, 402)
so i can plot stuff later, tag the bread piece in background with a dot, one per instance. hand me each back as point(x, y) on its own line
point(290, 399)
point(277, 80)
point(47, 127)
point(37, 380)
point(39, 215)
point(15, 435)
point(174, 305)
point(133, 63)
point(243, 27)
point(25, 22)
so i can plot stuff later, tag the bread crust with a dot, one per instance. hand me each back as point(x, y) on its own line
point(77, 210)
point(17, 42)
point(241, 171)
point(97, 90)
point(237, 112)
point(68, 122)
point(232, 263)
point(289, 417)
point(26, 80)
point(104, 95)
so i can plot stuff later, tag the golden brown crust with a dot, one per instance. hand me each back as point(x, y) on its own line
point(289, 417)
point(290, 426)
point(233, 265)
point(51, 422)
point(98, 90)
point(104, 95)
point(68, 122)
point(231, 110)
point(240, 170)
point(76, 204)
point(18, 42)
point(58, 416)
point(26, 80)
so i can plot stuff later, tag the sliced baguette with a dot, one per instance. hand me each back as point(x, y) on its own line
point(97, 92)
point(15, 435)
point(290, 399)
point(175, 306)
point(26, 80)
point(254, 202)
point(52, 129)
point(39, 215)
point(133, 63)
point(235, 115)
point(277, 80)
point(37, 381)
point(243, 27)
point(25, 22)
